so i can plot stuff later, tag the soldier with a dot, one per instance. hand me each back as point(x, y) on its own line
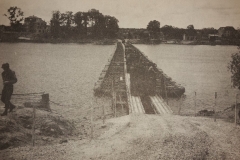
point(9, 78)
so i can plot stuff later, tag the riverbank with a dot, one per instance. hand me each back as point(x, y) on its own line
point(114, 41)
point(59, 41)
point(123, 137)
point(144, 137)
point(103, 41)
point(181, 42)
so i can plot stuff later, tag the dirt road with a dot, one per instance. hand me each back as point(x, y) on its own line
point(146, 137)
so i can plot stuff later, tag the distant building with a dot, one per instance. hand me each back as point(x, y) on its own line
point(213, 37)
point(137, 33)
point(227, 31)
point(1, 28)
point(36, 25)
point(131, 33)
point(189, 37)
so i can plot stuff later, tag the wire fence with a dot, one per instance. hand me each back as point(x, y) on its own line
point(188, 104)
point(191, 103)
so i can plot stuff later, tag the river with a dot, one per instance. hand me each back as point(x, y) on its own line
point(68, 71)
point(199, 68)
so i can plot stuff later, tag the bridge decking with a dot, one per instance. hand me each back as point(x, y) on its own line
point(135, 104)
point(115, 81)
point(160, 106)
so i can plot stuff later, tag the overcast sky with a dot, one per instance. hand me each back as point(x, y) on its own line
point(137, 13)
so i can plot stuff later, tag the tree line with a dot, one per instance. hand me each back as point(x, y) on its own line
point(15, 16)
point(82, 24)
point(171, 32)
point(69, 25)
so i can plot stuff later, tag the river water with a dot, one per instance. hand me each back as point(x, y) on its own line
point(201, 69)
point(68, 71)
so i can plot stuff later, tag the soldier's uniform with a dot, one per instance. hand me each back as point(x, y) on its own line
point(9, 78)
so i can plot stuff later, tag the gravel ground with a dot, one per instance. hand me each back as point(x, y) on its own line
point(145, 137)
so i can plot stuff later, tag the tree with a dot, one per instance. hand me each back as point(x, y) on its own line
point(190, 31)
point(206, 31)
point(99, 25)
point(154, 28)
point(96, 22)
point(190, 27)
point(79, 21)
point(67, 20)
point(55, 23)
point(67, 25)
point(234, 67)
point(171, 32)
point(111, 26)
point(15, 16)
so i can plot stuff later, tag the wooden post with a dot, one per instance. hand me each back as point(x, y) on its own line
point(180, 106)
point(120, 99)
point(195, 104)
point(115, 104)
point(236, 110)
point(103, 114)
point(113, 97)
point(45, 101)
point(214, 109)
point(92, 119)
point(33, 126)
point(165, 90)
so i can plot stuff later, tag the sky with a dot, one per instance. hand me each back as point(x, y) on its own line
point(138, 13)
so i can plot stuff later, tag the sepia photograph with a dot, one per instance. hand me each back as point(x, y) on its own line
point(120, 80)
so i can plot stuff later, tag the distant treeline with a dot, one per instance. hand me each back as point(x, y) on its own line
point(83, 24)
point(171, 32)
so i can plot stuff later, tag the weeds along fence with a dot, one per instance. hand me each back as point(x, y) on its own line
point(97, 109)
point(206, 104)
point(26, 97)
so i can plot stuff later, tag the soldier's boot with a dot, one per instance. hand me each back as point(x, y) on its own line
point(11, 107)
point(5, 112)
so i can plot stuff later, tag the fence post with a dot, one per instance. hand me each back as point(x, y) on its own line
point(115, 104)
point(180, 106)
point(195, 104)
point(92, 119)
point(120, 99)
point(33, 126)
point(214, 109)
point(165, 90)
point(103, 114)
point(45, 101)
point(236, 110)
point(113, 97)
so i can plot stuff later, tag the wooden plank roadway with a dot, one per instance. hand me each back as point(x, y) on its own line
point(161, 107)
point(135, 104)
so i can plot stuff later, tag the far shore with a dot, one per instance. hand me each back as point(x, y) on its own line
point(181, 42)
point(56, 41)
point(105, 41)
